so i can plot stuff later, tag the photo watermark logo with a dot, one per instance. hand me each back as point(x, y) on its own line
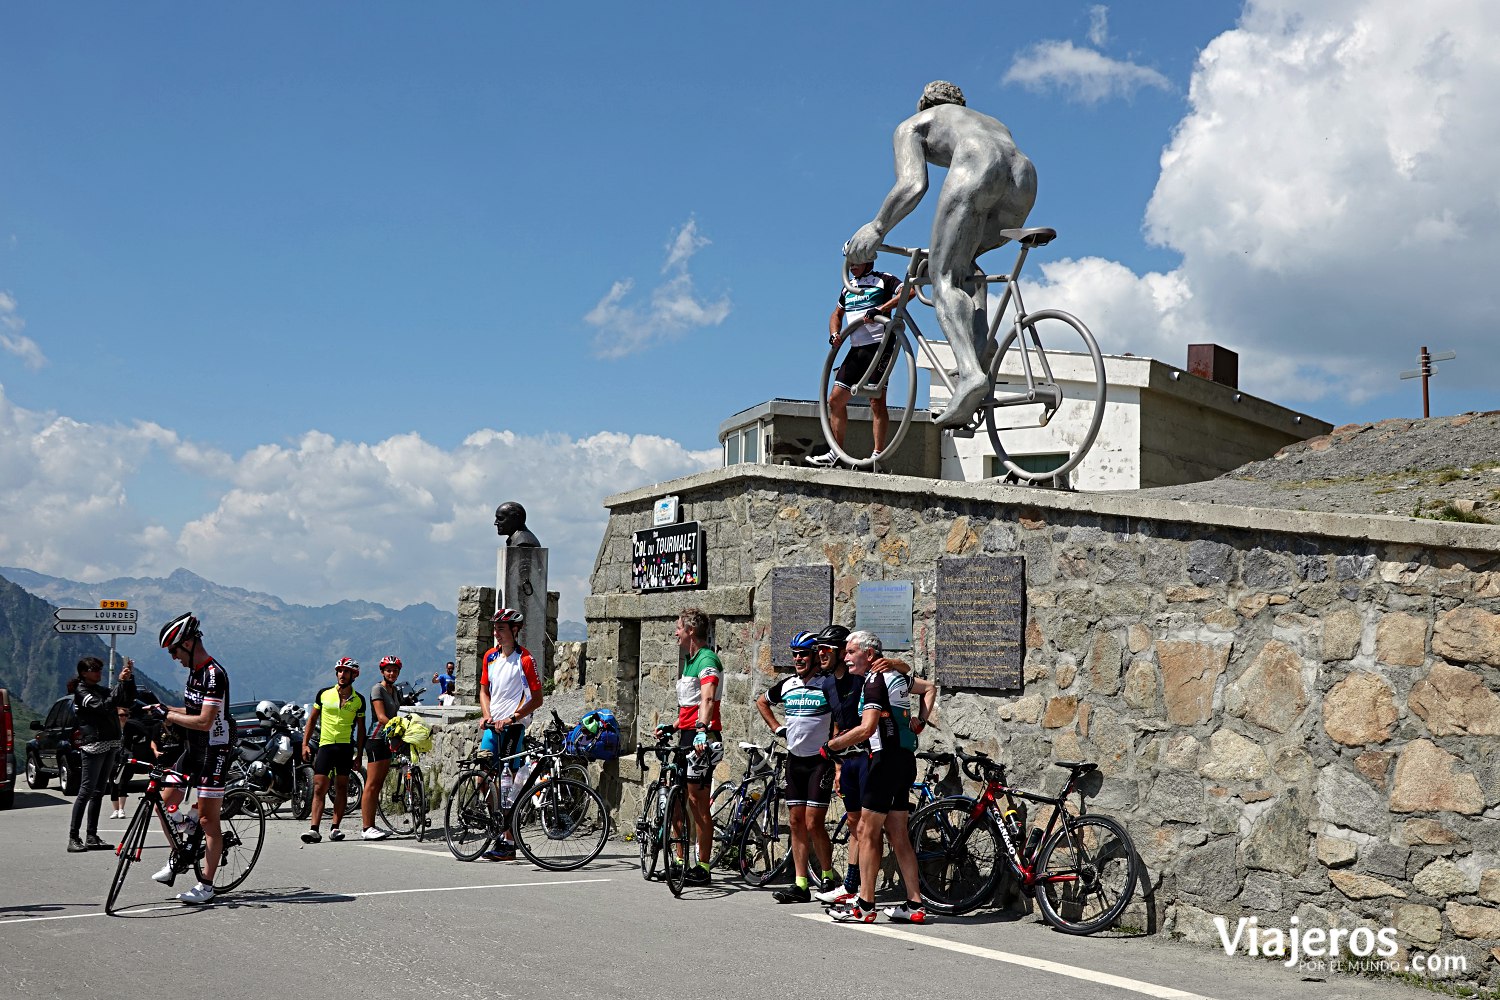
point(1331, 949)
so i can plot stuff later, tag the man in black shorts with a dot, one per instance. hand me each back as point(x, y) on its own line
point(338, 712)
point(807, 697)
point(205, 757)
point(874, 303)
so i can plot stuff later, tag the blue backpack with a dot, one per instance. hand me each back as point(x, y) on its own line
point(601, 745)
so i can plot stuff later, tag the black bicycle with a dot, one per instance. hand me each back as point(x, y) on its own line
point(242, 821)
point(1082, 869)
point(733, 802)
point(558, 823)
point(765, 843)
point(402, 806)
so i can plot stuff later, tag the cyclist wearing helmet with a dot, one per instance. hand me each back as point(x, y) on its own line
point(205, 755)
point(339, 714)
point(808, 698)
point(698, 693)
point(509, 691)
point(384, 702)
point(874, 302)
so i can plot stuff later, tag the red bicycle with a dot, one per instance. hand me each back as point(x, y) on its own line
point(1082, 869)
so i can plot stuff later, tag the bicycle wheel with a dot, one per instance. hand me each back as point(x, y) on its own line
point(648, 830)
point(838, 840)
point(242, 821)
point(561, 825)
point(577, 772)
point(1057, 349)
point(416, 801)
point(129, 850)
point(958, 864)
point(302, 792)
point(1086, 875)
point(900, 383)
point(679, 836)
point(766, 842)
point(468, 825)
point(393, 808)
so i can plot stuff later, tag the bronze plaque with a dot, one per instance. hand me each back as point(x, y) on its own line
point(981, 621)
point(801, 598)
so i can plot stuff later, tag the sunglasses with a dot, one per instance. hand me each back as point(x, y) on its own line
point(801, 654)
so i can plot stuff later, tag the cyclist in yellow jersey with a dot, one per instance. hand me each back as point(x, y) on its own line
point(339, 714)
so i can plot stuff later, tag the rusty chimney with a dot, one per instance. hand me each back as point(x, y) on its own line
point(1215, 363)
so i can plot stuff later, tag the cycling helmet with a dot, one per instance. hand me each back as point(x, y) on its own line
point(345, 663)
point(803, 641)
point(390, 661)
point(508, 616)
point(265, 709)
point(183, 628)
point(833, 635)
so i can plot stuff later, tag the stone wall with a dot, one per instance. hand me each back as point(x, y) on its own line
point(1293, 713)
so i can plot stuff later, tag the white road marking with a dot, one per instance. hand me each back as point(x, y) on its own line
point(431, 853)
point(351, 895)
point(1025, 961)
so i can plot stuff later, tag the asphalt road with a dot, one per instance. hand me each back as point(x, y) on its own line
point(401, 919)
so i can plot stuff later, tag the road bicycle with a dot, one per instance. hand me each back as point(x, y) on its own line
point(402, 806)
point(928, 789)
point(765, 840)
point(558, 823)
point(733, 801)
point(1082, 869)
point(1019, 368)
point(242, 822)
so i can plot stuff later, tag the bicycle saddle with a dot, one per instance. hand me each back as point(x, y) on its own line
point(1077, 768)
point(1037, 237)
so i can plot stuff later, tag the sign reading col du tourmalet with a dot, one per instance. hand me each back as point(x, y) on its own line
point(667, 558)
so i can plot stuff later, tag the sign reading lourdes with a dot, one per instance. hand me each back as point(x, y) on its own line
point(801, 598)
point(884, 607)
point(667, 558)
point(981, 621)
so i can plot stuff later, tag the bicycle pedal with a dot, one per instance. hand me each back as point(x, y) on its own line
point(962, 432)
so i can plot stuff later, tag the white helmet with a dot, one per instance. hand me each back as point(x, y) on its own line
point(265, 709)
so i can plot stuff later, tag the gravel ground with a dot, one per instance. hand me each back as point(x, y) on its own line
point(1443, 467)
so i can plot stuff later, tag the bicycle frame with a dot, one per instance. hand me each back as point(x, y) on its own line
point(1022, 863)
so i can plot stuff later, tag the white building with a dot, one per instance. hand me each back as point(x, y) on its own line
point(1162, 426)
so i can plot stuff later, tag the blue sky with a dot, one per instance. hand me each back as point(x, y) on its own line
point(293, 295)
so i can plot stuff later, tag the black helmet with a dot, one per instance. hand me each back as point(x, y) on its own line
point(833, 635)
point(179, 630)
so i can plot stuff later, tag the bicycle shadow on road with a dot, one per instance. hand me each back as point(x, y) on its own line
point(259, 899)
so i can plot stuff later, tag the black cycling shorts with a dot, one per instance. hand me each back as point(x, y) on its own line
point(334, 758)
point(206, 768)
point(853, 773)
point(377, 749)
point(857, 362)
point(809, 781)
point(685, 738)
point(888, 789)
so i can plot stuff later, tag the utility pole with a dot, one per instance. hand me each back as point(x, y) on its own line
point(1425, 372)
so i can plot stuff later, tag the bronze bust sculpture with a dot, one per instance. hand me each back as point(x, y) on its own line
point(510, 521)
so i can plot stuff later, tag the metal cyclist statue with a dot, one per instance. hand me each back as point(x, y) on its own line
point(990, 186)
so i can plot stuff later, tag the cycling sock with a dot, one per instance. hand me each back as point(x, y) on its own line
point(802, 881)
point(827, 875)
point(851, 878)
point(863, 905)
point(703, 866)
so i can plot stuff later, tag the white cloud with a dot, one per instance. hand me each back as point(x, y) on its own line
point(318, 520)
point(12, 340)
point(1098, 25)
point(673, 309)
point(1083, 74)
point(1332, 193)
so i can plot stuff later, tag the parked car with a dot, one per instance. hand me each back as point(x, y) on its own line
point(53, 752)
point(7, 752)
point(246, 723)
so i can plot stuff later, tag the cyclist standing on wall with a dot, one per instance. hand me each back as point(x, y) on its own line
point(886, 721)
point(339, 714)
point(699, 690)
point(808, 697)
point(385, 703)
point(873, 301)
point(509, 691)
point(205, 757)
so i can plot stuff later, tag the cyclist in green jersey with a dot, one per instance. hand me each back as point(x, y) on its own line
point(339, 714)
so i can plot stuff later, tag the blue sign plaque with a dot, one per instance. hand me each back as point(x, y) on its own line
point(884, 607)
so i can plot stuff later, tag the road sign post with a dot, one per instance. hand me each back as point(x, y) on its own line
point(111, 618)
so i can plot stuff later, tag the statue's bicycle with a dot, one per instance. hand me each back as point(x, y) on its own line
point(1019, 368)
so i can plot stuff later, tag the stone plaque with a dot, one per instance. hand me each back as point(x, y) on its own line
point(981, 621)
point(884, 607)
point(801, 598)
